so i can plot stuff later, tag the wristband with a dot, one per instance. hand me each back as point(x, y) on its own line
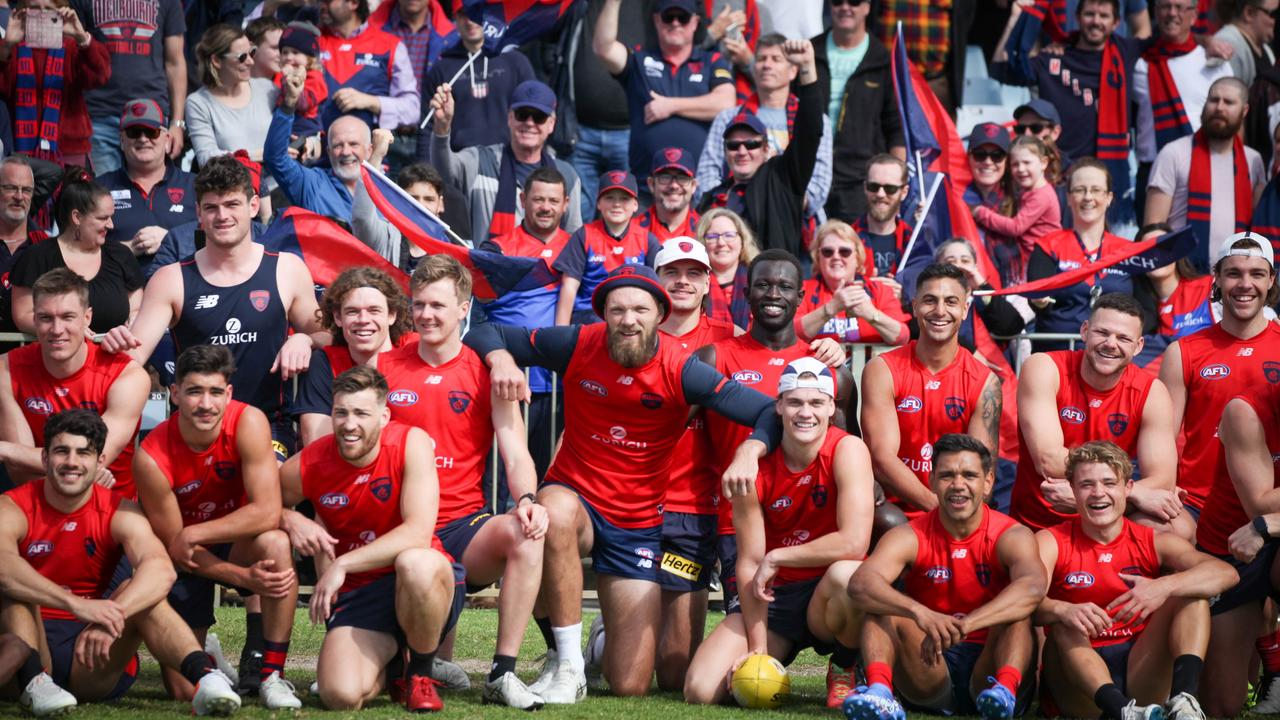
point(532, 498)
point(1260, 525)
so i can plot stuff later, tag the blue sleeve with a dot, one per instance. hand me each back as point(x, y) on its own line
point(275, 157)
point(573, 258)
point(704, 385)
point(651, 252)
point(549, 347)
point(721, 71)
point(315, 388)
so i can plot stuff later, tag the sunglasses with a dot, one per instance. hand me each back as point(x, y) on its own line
point(830, 252)
point(1033, 128)
point(850, 3)
point(676, 17)
point(992, 155)
point(736, 145)
point(875, 187)
point(525, 114)
point(137, 131)
point(243, 57)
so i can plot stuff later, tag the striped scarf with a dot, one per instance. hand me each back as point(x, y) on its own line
point(1113, 127)
point(35, 128)
point(1170, 116)
point(504, 204)
point(730, 307)
point(1200, 192)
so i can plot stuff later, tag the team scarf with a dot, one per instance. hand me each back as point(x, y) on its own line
point(504, 205)
point(1169, 114)
point(1200, 192)
point(1113, 121)
point(35, 128)
point(901, 234)
point(732, 309)
point(1266, 216)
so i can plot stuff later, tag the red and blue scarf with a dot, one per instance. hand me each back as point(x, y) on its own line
point(1266, 215)
point(36, 124)
point(730, 306)
point(1113, 124)
point(1170, 115)
point(1200, 192)
point(504, 204)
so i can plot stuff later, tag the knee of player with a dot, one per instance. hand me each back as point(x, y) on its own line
point(274, 545)
point(698, 690)
point(423, 567)
point(335, 696)
point(1064, 634)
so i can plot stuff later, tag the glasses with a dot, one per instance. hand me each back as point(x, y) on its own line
point(830, 252)
point(850, 3)
point(736, 145)
point(665, 179)
point(243, 57)
point(726, 235)
point(676, 16)
point(1083, 191)
point(992, 155)
point(27, 190)
point(526, 114)
point(875, 187)
point(1173, 7)
point(1033, 128)
point(137, 131)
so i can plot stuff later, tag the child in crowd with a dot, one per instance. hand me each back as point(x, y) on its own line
point(299, 48)
point(1030, 209)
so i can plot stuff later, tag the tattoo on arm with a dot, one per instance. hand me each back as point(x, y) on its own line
point(992, 403)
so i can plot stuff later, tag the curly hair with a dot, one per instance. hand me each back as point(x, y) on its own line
point(360, 277)
point(222, 175)
point(1101, 452)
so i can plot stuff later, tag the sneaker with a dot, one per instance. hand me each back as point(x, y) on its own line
point(873, 703)
point(567, 686)
point(450, 675)
point(508, 690)
point(250, 673)
point(43, 697)
point(595, 655)
point(277, 693)
point(215, 695)
point(1266, 697)
point(1183, 706)
point(1134, 711)
point(422, 695)
point(996, 702)
point(546, 673)
point(315, 687)
point(213, 648)
point(839, 685)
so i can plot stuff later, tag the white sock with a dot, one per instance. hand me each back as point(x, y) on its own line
point(569, 645)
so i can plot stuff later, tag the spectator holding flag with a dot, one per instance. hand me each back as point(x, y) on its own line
point(1029, 210)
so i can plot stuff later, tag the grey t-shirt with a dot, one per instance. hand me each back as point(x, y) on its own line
point(134, 32)
point(216, 129)
point(1171, 175)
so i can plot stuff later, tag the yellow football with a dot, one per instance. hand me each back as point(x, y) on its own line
point(761, 682)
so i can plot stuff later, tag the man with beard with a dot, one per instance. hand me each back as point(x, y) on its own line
point(387, 584)
point(768, 189)
point(1069, 397)
point(882, 231)
point(925, 389)
point(323, 190)
point(208, 483)
point(1126, 616)
point(1197, 180)
point(949, 599)
point(61, 539)
point(672, 184)
point(628, 395)
point(17, 187)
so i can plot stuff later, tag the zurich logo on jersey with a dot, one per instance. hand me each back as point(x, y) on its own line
point(403, 398)
point(1216, 371)
point(748, 377)
point(939, 574)
point(1073, 415)
point(910, 404)
point(39, 405)
point(334, 500)
point(1079, 579)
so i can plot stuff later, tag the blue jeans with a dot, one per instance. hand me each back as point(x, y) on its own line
point(597, 152)
point(105, 154)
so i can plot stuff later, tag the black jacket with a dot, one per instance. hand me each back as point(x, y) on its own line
point(774, 197)
point(868, 123)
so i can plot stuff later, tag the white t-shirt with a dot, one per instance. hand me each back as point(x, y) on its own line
point(1193, 75)
point(793, 19)
point(1171, 172)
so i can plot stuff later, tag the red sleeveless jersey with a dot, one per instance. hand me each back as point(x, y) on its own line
point(955, 577)
point(340, 355)
point(452, 404)
point(1223, 514)
point(357, 504)
point(759, 368)
point(618, 441)
point(208, 483)
point(799, 507)
point(40, 395)
point(1217, 366)
point(1084, 414)
point(75, 550)
point(931, 405)
point(1089, 572)
point(695, 485)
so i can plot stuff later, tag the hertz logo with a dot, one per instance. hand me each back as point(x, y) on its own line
point(681, 566)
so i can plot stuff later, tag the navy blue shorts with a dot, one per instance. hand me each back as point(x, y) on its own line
point(789, 617)
point(632, 553)
point(961, 660)
point(457, 535)
point(373, 606)
point(284, 438)
point(1117, 659)
point(61, 636)
point(1255, 581)
point(727, 553)
point(1192, 511)
point(688, 551)
point(192, 595)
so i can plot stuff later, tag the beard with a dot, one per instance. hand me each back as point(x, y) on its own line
point(1219, 129)
point(632, 352)
point(883, 215)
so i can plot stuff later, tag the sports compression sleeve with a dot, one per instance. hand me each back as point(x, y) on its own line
point(549, 347)
point(704, 385)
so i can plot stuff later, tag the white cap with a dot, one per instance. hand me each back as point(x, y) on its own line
point(807, 372)
point(681, 248)
point(1225, 250)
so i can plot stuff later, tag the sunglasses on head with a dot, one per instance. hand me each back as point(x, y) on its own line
point(983, 155)
point(1034, 128)
point(524, 114)
point(243, 57)
point(735, 145)
point(875, 187)
point(830, 252)
point(137, 131)
point(850, 3)
point(676, 16)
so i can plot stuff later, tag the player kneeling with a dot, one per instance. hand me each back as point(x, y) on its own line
point(385, 581)
point(801, 531)
point(61, 538)
point(1116, 627)
point(971, 578)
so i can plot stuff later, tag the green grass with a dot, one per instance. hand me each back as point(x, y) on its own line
point(473, 650)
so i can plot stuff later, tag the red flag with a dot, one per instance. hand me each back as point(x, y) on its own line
point(325, 246)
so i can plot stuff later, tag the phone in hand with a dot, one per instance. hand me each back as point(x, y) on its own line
point(43, 29)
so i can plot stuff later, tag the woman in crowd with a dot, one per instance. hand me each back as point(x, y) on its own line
point(1178, 296)
point(1028, 211)
point(731, 247)
point(839, 301)
point(233, 109)
point(83, 211)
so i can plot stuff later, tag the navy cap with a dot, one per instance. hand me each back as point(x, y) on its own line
point(1041, 107)
point(534, 94)
point(674, 158)
point(747, 120)
point(685, 5)
point(632, 275)
point(989, 133)
point(618, 180)
point(303, 37)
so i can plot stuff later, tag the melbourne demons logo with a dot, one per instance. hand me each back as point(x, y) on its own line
point(983, 573)
point(939, 574)
point(594, 388)
point(459, 400)
point(39, 405)
point(381, 489)
point(334, 500)
point(1216, 371)
point(955, 407)
point(259, 299)
point(90, 547)
point(1078, 580)
point(224, 470)
point(1118, 423)
point(1073, 415)
point(748, 377)
point(910, 404)
point(653, 401)
point(818, 495)
point(1271, 371)
point(39, 548)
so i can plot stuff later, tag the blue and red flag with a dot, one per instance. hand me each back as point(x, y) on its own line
point(325, 246)
point(443, 32)
point(512, 23)
point(493, 274)
point(1138, 258)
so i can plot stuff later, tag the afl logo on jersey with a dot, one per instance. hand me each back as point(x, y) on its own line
point(748, 377)
point(39, 406)
point(1271, 371)
point(1216, 371)
point(39, 548)
point(939, 574)
point(910, 404)
point(594, 388)
point(1078, 580)
point(1073, 415)
point(781, 503)
point(189, 488)
point(403, 398)
point(334, 500)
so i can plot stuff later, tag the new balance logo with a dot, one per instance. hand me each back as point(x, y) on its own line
point(1104, 557)
point(433, 380)
point(625, 379)
point(959, 553)
point(204, 302)
point(1244, 352)
point(932, 385)
point(777, 361)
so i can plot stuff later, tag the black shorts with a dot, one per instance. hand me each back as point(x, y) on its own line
point(961, 660)
point(457, 536)
point(1255, 581)
point(727, 553)
point(1116, 656)
point(622, 552)
point(373, 606)
point(61, 636)
point(688, 551)
point(192, 595)
point(789, 617)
